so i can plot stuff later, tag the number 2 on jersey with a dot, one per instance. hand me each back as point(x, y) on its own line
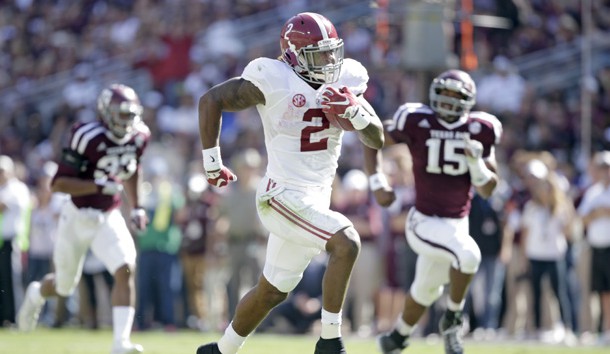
point(307, 143)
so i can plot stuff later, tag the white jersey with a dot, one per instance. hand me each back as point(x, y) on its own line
point(302, 146)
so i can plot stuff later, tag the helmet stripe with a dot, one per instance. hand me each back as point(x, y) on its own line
point(320, 22)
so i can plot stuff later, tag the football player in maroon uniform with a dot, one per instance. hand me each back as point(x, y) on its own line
point(453, 150)
point(100, 160)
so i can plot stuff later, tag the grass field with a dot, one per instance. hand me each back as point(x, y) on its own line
point(71, 341)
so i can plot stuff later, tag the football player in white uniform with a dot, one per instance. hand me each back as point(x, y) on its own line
point(293, 94)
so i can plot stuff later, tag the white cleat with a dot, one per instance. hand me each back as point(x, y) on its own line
point(127, 348)
point(27, 318)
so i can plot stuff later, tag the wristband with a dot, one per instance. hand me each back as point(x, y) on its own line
point(137, 212)
point(211, 158)
point(378, 181)
point(360, 119)
point(479, 173)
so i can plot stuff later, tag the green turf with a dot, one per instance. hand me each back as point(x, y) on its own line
point(72, 341)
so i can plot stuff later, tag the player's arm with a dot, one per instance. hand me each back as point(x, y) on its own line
point(372, 135)
point(67, 181)
point(594, 214)
point(373, 167)
point(138, 215)
point(73, 186)
point(347, 105)
point(235, 94)
point(487, 189)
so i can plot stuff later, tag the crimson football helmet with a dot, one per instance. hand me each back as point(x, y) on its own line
point(119, 109)
point(311, 46)
point(446, 105)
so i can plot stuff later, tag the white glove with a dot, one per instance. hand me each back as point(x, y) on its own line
point(139, 219)
point(479, 173)
point(108, 187)
point(474, 148)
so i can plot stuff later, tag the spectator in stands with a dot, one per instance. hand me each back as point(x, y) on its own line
point(485, 295)
point(546, 228)
point(94, 293)
point(43, 228)
point(14, 201)
point(595, 212)
point(196, 222)
point(503, 90)
point(355, 204)
point(399, 257)
point(158, 247)
point(244, 232)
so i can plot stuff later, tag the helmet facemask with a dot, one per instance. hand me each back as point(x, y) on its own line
point(321, 64)
point(119, 109)
point(121, 118)
point(447, 106)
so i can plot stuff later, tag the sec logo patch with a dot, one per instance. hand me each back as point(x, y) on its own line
point(298, 100)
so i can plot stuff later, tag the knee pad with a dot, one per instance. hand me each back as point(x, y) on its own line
point(470, 259)
point(284, 280)
point(425, 295)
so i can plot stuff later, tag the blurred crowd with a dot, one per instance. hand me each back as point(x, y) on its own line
point(204, 246)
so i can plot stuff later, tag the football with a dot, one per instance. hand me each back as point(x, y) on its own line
point(339, 122)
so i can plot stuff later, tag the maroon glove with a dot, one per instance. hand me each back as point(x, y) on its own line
point(220, 178)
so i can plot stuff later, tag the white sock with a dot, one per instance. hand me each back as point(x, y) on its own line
point(453, 306)
point(36, 296)
point(403, 327)
point(331, 325)
point(231, 342)
point(122, 320)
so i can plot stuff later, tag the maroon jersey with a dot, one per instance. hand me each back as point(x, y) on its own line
point(442, 180)
point(94, 153)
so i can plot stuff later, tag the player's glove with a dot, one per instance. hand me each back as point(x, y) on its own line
point(479, 173)
point(474, 148)
point(216, 173)
point(344, 103)
point(139, 219)
point(108, 187)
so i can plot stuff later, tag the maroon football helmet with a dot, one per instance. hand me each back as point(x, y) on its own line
point(119, 109)
point(446, 106)
point(311, 46)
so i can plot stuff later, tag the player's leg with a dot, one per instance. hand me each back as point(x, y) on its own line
point(343, 248)
point(430, 276)
point(284, 265)
point(466, 258)
point(68, 258)
point(114, 246)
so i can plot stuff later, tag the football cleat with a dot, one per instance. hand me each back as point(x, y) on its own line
point(211, 348)
point(450, 328)
point(330, 346)
point(27, 318)
point(392, 343)
point(127, 348)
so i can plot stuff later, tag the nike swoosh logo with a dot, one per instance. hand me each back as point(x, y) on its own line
point(341, 103)
point(213, 159)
